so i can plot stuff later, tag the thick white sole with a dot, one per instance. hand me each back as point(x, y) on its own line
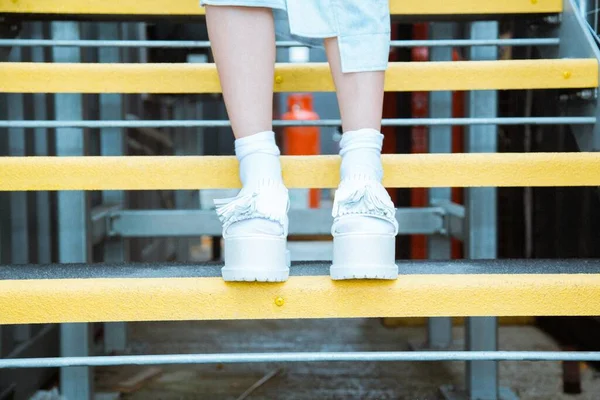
point(367, 256)
point(256, 259)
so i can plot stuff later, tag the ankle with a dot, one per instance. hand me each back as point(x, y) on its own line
point(258, 157)
point(361, 155)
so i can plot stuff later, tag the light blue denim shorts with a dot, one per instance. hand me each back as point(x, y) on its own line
point(361, 26)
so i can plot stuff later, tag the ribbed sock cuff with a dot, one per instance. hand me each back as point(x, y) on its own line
point(262, 142)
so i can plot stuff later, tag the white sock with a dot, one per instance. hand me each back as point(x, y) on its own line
point(258, 156)
point(361, 154)
point(361, 159)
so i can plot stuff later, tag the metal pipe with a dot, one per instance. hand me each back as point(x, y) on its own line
point(473, 42)
point(227, 358)
point(583, 8)
point(280, 123)
point(206, 44)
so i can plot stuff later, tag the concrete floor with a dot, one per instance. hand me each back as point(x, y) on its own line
point(539, 380)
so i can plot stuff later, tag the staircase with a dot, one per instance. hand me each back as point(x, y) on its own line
point(75, 293)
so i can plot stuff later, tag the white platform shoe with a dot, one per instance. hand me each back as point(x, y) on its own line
point(251, 255)
point(363, 248)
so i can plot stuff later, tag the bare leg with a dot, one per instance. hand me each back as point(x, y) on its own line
point(243, 45)
point(360, 98)
point(360, 94)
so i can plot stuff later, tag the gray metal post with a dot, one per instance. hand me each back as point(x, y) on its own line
point(6, 339)
point(19, 224)
point(112, 143)
point(583, 8)
point(482, 333)
point(439, 330)
point(73, 220)
point(480, 232)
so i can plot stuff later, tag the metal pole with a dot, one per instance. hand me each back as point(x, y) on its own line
point(439, 329)
point(112, 143)
point(5, 338)
point(208, 123)
point(73, 220)
point(583, 9)
point(482, 333)
point(189, 44)
point(19, 223)
point(227, 358)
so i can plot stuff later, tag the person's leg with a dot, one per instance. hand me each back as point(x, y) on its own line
point(365, 226)
point(243, 46)
point(360, 99)
point(359, 94)
point(254, 222)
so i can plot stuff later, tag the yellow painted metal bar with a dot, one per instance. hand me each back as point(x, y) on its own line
point(147, 299)
point(191, 7)
point(206, 172)
point(313, 77)
point(455, 7)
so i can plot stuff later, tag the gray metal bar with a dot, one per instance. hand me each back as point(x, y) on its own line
point(206, 44)
point(482, 333)
point(583, 8)
point(154, 223)
point(112, 143)
point(439, 329)
point(475, 42)
point(100, 221)
point(18, 211)
point(5, 337)
point(225, 358)
point(73, 220)
point(590, 120)
point(455, 219)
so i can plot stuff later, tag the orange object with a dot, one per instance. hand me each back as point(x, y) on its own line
point(302, 140)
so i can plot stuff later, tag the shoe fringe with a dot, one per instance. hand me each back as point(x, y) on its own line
point(364, 197)
point(268, 200)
